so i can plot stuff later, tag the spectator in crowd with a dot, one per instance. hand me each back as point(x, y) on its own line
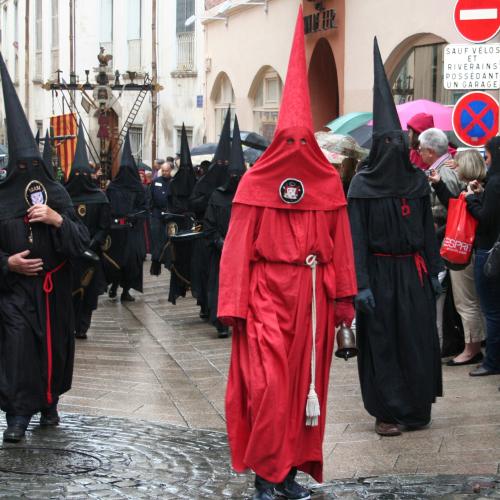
point(484, 205)
point(469, 167)
point(434, 153)
point(416, 125)
point(160, 203)
point(157, 166)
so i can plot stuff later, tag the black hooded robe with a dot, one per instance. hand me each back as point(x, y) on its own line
point(397, 257)
point(92, 208)
point(216, 225)
point(181, 253)
point(36, 316)
point(125, 257)
point(398, 360)
point(24, 359)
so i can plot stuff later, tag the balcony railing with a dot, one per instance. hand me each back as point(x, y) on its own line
point(185, 51)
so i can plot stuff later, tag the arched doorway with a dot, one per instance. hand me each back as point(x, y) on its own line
point(323, 85)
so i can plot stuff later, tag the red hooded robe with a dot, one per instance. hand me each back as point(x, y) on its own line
point(288, 206)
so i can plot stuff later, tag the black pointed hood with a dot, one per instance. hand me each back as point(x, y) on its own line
point(388, 172)
point(237, 160)
point(223, 151)
point(128, 175)
point(28, 180)
point(216, 175)
point(385, 115)
point(80, 185)
point(37, 137)
point(182, 184)
point(47, 151)
point(126, 186)
point(81, 159)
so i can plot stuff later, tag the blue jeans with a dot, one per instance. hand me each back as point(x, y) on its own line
point(488, 290)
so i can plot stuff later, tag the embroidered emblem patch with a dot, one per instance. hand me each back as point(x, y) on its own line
point(35, 193)
point(291, 190)
point(82, 210)
point(3, 174)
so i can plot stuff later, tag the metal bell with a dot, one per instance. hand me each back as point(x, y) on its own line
point(346, 343)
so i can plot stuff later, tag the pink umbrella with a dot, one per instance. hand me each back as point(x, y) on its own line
point(441, 113)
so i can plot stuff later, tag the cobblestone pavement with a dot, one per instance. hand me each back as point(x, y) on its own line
point(145, 419)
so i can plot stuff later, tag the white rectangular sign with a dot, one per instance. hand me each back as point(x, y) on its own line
point(471, 66)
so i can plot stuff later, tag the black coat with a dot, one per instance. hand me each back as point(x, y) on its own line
point(24, 340)
point(399, 357)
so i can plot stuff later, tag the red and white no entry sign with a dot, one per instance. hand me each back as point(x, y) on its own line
point(475, 118)
point(477, 20)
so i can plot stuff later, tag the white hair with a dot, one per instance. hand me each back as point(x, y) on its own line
point(435, 140)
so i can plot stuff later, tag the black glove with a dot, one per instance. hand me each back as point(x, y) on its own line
point(365, 301)
point(155, 268)
point(436, 286)
point(94, 245)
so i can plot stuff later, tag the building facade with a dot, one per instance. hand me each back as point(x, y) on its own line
point(37, 44)
point(248, 41)
point(216, 53)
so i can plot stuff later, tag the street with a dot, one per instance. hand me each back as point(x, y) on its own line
point(145, 419)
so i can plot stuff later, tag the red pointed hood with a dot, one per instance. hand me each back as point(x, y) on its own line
point(293, 173)
point(295, 109)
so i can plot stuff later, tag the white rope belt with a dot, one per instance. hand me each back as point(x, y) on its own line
point(312, 406)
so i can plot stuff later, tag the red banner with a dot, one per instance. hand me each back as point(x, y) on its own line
point(65, 125)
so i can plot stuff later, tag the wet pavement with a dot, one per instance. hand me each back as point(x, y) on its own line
point(145, 419)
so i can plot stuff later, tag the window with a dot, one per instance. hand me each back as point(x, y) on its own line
point(266, 102)
point(224, 97)
point(135, 132)
point(134, 34)
point(185, 9)
point(38, 40)
point(420, 76)
point(106, 27)
point(185, 36)
point(55, 37)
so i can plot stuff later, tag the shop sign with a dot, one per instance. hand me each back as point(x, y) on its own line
point(320, 21)
point(471, 66)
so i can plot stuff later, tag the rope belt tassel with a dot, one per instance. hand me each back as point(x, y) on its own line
point(312, 405)
point(48, 287)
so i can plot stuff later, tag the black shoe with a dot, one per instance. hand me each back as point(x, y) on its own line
point(223, 333)
point(267, 494)
point(14, 433)
point(126, 297)
point(80, 335)
point(481, 371)
point(112, 291)
point(203, 315)
point(472, 361)
point(49, 417)
point(289, 488)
